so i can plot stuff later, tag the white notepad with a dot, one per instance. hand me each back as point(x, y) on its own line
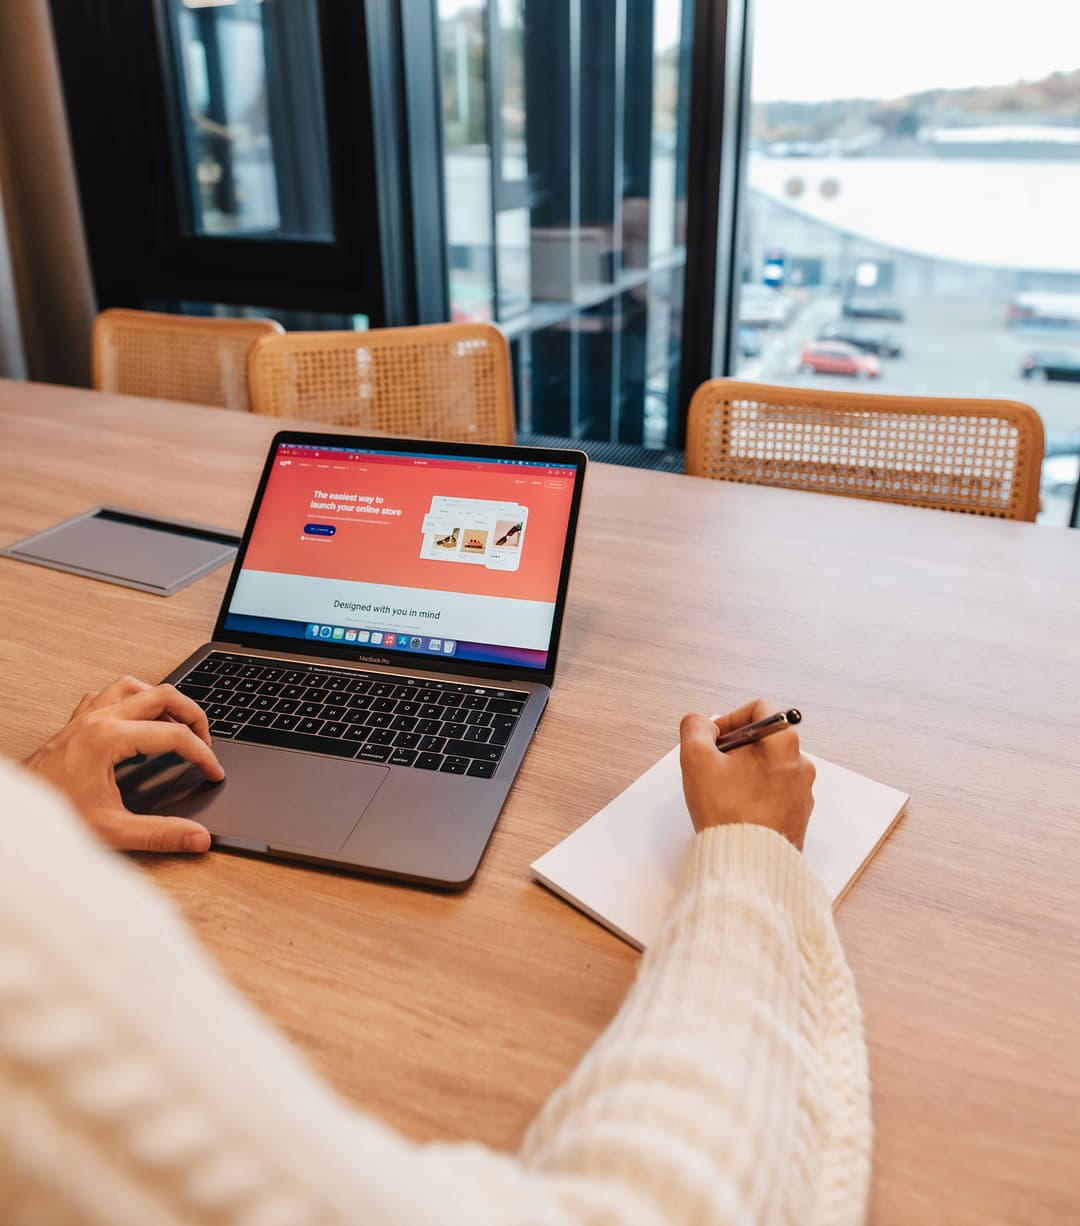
point(621, 866)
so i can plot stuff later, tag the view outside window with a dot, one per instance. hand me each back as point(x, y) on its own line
point(254, 158)
point(565, 125)
point(470, 221)
point(911, 207)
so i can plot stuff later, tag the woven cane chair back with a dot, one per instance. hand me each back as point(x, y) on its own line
point(439, 381)
point(176, 357)
point(982, 457)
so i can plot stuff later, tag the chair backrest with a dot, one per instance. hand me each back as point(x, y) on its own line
point(979, 456)
point(441, 381)
point(176, 357)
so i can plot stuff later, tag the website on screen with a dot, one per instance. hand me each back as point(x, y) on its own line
point(441, 555)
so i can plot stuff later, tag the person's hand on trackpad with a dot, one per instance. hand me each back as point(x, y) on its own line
point(125, 719)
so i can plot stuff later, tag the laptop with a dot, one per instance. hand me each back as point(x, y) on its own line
point(382, 656)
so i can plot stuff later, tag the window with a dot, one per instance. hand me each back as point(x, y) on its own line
point(253, 158)
point(918, 206)
point(242, 151)
point(565, 131)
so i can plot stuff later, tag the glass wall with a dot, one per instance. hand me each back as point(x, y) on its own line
point(254, 159)
point(565, 129)
point(910, 210)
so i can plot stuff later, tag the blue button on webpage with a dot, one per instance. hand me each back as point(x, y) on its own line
point(320, 529)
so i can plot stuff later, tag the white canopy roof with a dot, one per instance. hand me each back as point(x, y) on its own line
point(1002, 213)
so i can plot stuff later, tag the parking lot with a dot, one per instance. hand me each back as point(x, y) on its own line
point(953, 348)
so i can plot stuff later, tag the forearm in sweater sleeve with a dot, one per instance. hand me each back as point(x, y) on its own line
point(732, 1086)
point(138, 1087)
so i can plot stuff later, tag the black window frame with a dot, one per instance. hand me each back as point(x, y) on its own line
point(118, 72)
point(719, 127)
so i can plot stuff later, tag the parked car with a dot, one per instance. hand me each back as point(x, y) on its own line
point(872, 308)
point(838, 358)
point(1060, 473)
point(1051, 364)
point(748, 342)
point(761, 306)
point(1045, 310)
point(868, 339)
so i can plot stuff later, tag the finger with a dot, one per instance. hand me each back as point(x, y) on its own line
point(697, 735)
point(114, 692)
point(756, 708)
point(781, 745)
point(134, 832)
point(809, 771)
point(126, 738)
point(84, 704)
point(165, 700)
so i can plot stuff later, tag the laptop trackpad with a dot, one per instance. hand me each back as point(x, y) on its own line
point(269, 796)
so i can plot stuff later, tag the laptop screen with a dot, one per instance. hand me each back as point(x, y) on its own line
point(453, 556)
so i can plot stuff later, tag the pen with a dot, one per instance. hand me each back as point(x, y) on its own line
point(749, 733)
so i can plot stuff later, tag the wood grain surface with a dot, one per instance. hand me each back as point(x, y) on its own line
point(939, 653)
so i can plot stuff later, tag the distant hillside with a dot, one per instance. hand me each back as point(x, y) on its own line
point(1053, 100)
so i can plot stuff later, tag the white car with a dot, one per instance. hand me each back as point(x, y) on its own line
point(1060, 474)
point(761, 306)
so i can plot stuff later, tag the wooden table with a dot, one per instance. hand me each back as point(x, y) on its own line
point(936, 652)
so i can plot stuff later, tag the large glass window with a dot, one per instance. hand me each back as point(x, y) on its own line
point(254, 158)
point(910, 204)
point(565, 128)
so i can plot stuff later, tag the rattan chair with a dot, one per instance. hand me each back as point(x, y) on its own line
point(440, 381)
point(176, 357)
point(979, 456)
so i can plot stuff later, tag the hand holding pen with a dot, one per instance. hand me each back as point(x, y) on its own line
point(770, 785)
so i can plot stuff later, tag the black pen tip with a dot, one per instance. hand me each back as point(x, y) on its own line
point(794, 716)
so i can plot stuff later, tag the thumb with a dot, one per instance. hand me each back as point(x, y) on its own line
point(135, 832)
point(697, 734)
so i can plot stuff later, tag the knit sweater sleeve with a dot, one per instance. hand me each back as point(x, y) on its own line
point(139, 1088)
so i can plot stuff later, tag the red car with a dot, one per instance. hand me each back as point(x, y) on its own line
point(838, 358)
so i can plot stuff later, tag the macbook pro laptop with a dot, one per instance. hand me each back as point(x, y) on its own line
point(382, 655)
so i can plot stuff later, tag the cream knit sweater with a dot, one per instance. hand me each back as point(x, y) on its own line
point(137, 1088)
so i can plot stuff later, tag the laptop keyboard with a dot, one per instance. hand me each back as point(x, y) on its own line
point(373, 717)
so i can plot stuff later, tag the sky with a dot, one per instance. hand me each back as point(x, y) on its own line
point(807, 51)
